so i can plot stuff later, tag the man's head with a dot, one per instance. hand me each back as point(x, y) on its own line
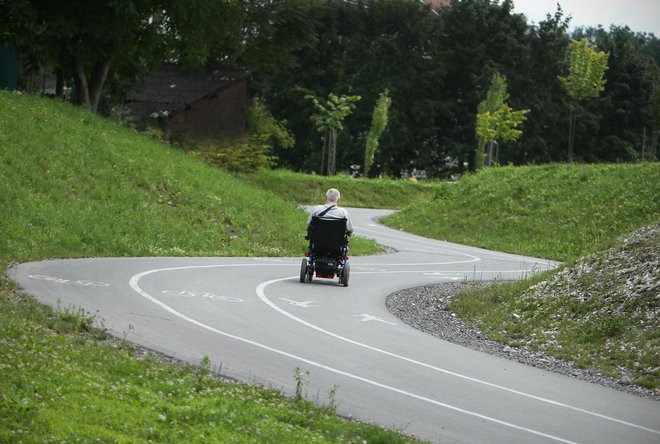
point(332, 195)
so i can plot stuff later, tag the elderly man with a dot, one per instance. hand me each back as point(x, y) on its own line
point(330, 209)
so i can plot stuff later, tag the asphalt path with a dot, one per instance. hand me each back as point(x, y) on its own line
point(257, 323)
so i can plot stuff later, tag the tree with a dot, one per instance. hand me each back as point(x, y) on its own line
point(585, 80)
point(495, 97)
point(328, 120)
point(94, 41)
point(655, 106)
point(499, 124)
point(378, 124)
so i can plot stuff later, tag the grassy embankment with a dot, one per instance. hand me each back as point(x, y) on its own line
point(600, 316)
point(75, 185)
point(306, 189)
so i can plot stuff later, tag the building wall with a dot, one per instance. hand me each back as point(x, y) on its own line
point(219, 117)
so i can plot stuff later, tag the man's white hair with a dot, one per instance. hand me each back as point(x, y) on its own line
point(332, 195)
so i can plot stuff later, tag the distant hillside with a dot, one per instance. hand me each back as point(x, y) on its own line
point(555, 211)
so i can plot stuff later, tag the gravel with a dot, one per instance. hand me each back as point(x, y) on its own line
point(425, 308)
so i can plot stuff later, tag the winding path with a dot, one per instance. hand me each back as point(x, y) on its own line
point(257, 323)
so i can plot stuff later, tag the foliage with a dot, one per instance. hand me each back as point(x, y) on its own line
point(378, 125)
point(95, 41)
point(328, 119)
point(74, 180)
point(553, 211)
point(495, 119)
point(655, 106)
point(586, 68)
point(438, 68)
point(237, 155)
point(502, 124)
point(585, 80)
point(262, 123)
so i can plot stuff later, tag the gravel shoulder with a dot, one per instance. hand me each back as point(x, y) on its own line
point(425, 308)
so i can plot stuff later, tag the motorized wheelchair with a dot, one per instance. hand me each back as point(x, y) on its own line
point(327, 255)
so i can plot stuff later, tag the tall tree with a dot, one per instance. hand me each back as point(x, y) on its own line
point(329, 118)
point(495, 97)
point(378, 124)
point(96, 40)
point(586, 69)
point(479, 37)
point(655, 107)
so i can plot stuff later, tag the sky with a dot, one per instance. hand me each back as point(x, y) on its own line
point(638, 15)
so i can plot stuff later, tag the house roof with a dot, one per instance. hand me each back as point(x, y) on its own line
point(171, 86)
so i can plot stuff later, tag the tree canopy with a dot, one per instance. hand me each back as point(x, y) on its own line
point(437, 67)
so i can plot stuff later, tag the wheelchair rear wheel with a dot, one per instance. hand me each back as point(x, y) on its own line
point(345, 274)
point(303, 269)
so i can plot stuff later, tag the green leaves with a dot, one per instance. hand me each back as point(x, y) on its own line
point(496, 119)
point(501, 124)
point(331, 113)
point(586, 70)
point(378, 124)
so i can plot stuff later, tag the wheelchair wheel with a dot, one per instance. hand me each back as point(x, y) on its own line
point(303, 270)
point(345, 274)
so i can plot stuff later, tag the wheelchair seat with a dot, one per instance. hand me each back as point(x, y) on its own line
point(328, 247)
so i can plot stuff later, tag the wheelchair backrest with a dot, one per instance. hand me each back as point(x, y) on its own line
point(327, 234)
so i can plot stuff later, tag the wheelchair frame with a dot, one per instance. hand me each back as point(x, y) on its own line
point(327, 255)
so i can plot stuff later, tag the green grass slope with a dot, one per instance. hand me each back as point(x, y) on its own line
point(555, 211)
point(307, 189)
point(74, 185)
point(600, 312)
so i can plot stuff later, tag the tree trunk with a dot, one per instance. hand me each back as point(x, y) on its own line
point(59, 86)
point(332, 161)
point(643, 144)
point(83, 90)
point(89, 91)
point(99, 76)
point(479, 156)
point(571, 134)
point(325, 145)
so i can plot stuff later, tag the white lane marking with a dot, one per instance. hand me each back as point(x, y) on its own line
point(69, 281)
point(367, 317)
point(305, 304)
point(262, 295)
point(201, 294)
point(133, 282)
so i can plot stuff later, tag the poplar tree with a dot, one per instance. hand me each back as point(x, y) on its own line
point(378, 123)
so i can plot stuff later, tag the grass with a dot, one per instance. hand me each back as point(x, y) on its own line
point(306, 189)
point(60, 384)
point(562, 212)
point(559, 212)
point(76, 185)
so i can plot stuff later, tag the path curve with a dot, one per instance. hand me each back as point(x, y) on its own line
point(256, 322)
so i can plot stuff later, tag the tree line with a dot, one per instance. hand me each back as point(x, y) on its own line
point(437, 68)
